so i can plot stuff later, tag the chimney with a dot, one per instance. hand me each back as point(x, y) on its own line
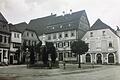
point(51, 14)
point(63, 13)
point(70, 11)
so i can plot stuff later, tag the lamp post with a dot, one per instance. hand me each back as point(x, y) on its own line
point(27, 57)
point(64, 56)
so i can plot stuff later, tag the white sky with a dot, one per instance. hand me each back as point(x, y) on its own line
point(16, 11)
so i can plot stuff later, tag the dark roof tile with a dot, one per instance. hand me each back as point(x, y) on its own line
point(21, 26)
point(46, 24)
point(2, 18)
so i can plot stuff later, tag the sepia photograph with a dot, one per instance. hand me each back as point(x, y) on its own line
point(59, 40)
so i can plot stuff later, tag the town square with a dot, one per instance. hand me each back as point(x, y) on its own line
point(80, 43)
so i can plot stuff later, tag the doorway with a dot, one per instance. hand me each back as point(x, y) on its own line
point(88, 58)
point(111, 58)
point(0, 57)
point(60, 56)
point(99, 58)
point(11, 59)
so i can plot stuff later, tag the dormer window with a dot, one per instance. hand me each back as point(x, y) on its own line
point(61, 26)
point(69, 25)
point(53, 28)
point(91, 34)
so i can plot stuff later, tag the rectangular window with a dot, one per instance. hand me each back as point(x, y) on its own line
point(103, 33)
point(29, 42)
point(14, 35)
point(60, 45)
point(8, 39)
point(110, 44)
point(64, 43)
point(72, 34)
point(49, 37)
point(4, 54)
point(17, 35)
point(33, 44)
point(69, 54)
point(32, 34)
point(91, 34)
point(56, 44)
point(66, 34)
point(0, 38)
point(54, 36)
point(60, 35)
point(27, 34)
point(5, 39)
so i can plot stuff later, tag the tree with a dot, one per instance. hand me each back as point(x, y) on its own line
point(51, 50)
point(32, 54)
point(37, 47)
point(79, 47)
point(18, 55)
point(37, 50)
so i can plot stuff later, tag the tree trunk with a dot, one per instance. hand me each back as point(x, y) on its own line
point(79, 66)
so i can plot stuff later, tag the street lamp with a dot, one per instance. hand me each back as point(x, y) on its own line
point(64, 56)
point(27, 57)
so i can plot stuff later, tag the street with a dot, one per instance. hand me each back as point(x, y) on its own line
point(106, 72)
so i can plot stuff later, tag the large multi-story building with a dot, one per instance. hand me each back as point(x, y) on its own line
point(15, 45)
point(104, 44)
point(65, 29)
point(4, 40)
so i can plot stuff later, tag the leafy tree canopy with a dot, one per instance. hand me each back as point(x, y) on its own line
point(37, 48)
point(79, 47)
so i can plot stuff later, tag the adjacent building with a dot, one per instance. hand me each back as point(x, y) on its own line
point(4, 40)
point(15, 45)
point(104, 44)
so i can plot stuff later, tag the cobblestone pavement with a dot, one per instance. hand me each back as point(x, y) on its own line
point(22, 73)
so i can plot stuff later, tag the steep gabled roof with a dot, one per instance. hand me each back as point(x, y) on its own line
point(100, 25)
point(21, 26)
point(2, 18)
point(39, 24)
point(42, 25)
point(64, 23)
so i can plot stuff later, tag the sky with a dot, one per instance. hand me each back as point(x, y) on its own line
point(16, 11)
